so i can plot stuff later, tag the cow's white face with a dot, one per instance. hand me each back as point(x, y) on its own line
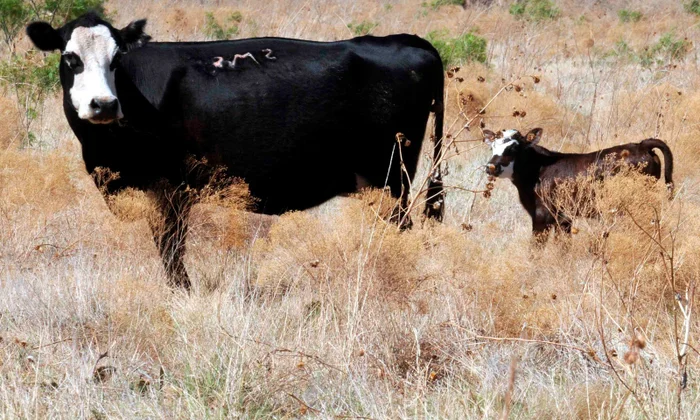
point(89, 55)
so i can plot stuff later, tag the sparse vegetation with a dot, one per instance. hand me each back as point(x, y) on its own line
point(627, 16)
point(436, 4)
point(227, 30)
point(332, 312)
point(534, 10)
point(362, 28)
point(465, 48)
point(667, 50)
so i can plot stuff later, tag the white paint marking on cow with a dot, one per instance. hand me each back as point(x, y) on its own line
point(96, 48)
point(268, 54)
point(220, 63)
point(242, 56)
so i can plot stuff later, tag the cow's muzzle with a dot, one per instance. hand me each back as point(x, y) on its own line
point(104, 110)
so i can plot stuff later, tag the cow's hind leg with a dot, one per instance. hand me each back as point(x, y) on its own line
point(169, 227)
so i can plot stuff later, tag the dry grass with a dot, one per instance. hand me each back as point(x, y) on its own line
point(332, 312)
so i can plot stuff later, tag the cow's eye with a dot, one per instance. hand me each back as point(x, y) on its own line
point(73, 62)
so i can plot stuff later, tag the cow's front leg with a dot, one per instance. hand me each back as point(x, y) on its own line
point(400, 214)
point(169, 227)
point(542, 223)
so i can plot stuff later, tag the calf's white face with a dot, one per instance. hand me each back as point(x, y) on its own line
point(503, 160)
point(89, 55)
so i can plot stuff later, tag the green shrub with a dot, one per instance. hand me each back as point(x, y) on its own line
point(30, 83)
point(67, 10)
point(227, 30)
point(13, 15)
point(363, 28)
point(464, 48)
point(517, 9)
point(692, 6)
point(627, 16)
point(534, 10)
point(667, 50)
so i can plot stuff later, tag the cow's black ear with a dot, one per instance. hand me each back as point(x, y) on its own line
point(133, 35)
point(44, 36)
point(534, 136)
point(489, 136)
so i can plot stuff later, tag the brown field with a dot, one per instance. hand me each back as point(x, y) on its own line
point(332, 313)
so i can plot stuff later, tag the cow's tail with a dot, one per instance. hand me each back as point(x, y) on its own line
point(668, 160)
point(435, 202)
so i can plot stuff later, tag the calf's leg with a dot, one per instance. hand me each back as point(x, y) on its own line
point(542, 223)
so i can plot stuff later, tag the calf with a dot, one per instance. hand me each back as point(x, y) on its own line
point(534, 169)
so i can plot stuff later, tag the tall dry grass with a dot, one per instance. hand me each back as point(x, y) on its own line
point(332, 312)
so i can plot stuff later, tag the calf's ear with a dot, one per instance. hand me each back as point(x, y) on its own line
point(133, 35)
point(534, 136)
point(489, 137)
point(44, 36)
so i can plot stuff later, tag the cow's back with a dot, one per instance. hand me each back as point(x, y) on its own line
point(298, 120)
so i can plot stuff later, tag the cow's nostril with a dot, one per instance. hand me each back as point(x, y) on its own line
point(110, 106)
point(105, 108)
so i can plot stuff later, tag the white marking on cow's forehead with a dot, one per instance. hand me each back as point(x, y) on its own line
point(500, 145)
point(93, 43)
point(508, 134)
point(503, 141)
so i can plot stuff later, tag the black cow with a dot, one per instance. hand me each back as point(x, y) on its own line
point(299, 121)
point(535, 170)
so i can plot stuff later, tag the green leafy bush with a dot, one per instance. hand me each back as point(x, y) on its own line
point(13, 15)
point(229, 29)
point(464, 48)
point(363, 28)
point(534, 10)
point(627, 16)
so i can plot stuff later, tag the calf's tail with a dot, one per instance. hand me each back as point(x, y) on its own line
point(668, 160)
